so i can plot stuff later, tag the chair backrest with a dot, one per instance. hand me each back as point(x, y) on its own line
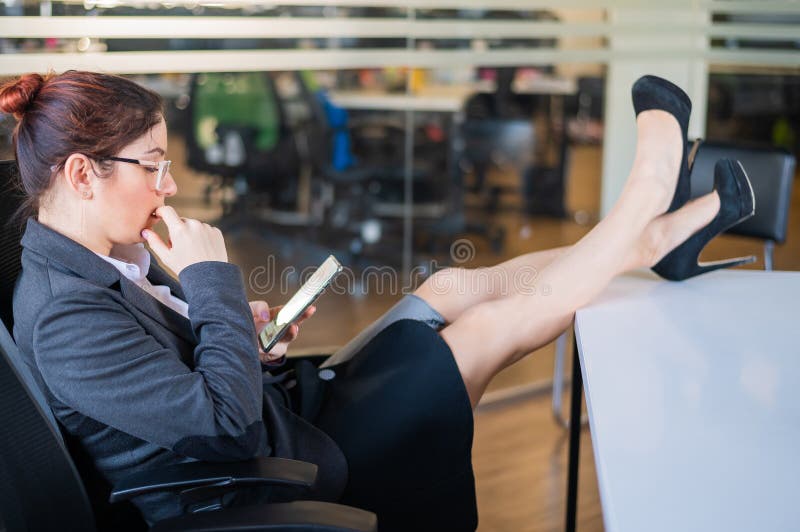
point(771, 172)
point(11, 228)
point(10, 234)
point(507, 142)
point(40, 488)
point(229, 101)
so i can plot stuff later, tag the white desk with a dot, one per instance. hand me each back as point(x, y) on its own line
point(445, 98)
point(693, 401)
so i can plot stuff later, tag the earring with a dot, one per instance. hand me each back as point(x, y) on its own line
point(86, 194)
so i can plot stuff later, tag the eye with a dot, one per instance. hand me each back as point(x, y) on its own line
point(151, 169)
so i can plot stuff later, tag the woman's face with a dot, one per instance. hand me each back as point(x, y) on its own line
point(126, 200)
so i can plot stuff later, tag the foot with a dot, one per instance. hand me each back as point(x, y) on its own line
point(650, 94)
point(659, 149)
point(737, 204)
point(668, 231)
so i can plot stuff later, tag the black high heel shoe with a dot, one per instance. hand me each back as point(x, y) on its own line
point(652, 92)
point(736, 204)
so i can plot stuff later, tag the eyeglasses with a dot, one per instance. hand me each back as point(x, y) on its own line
point(161, 167)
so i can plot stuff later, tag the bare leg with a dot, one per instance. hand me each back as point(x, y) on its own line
point(495, 333)
point(453, 290)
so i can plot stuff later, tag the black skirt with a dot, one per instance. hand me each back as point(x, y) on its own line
point(400, 413)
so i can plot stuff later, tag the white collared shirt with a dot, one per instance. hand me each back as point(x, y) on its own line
point(133, 261)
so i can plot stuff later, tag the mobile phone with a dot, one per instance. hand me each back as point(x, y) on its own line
point(308, 293)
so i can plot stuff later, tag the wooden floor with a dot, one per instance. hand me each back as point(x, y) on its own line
point(520, 460)
point(519, 452)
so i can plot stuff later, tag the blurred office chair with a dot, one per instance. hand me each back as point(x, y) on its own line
point(371, 192)
point(239, 133)
point(41, 488)
point(496, 143)
point(771, 172)
point(541, 184)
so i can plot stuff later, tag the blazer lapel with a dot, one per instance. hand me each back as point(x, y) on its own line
point(162, 314)
point(158, 275)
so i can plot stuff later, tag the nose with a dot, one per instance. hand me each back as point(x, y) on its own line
point(169, 187)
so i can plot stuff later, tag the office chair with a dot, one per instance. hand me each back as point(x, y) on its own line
point(492, 132)
point(45, 483)
point(11, 198)
point(496, 142)
point(771, 172)
point(239, 133)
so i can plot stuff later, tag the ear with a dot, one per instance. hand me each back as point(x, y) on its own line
point(79, 174)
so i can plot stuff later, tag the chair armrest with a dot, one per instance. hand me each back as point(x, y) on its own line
point(295, 516)
point(259, 471)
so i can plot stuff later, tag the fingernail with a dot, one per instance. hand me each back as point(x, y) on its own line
point(265, 315)
point(144, 233)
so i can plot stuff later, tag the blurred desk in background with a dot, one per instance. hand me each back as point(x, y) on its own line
point(445, 98)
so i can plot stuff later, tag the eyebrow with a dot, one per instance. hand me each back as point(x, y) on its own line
point(156, 150)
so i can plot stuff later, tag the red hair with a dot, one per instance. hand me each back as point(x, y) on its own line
point(74, 112)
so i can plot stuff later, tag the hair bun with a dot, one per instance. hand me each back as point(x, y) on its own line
point(16, 96)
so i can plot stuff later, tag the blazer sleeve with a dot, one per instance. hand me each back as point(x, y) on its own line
point(98, 359)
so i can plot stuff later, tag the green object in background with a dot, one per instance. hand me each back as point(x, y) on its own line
point(783, 135)
point(309, 80)
point(243, 99)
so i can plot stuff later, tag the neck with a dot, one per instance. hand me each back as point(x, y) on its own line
point(74, 229)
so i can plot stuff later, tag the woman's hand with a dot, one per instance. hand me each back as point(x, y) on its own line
point(262, 315)
point(190, 241)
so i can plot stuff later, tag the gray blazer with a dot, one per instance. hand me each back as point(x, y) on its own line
point(139, 386)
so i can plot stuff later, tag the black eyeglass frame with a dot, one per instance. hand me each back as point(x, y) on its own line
point(161, 166)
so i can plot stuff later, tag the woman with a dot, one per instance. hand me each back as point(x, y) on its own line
point(143, 370)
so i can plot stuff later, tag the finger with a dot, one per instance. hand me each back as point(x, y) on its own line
point(273, 312)
point(259, 325)
point(169, 216)
point(291, 334)
point(260, 310)
point(278, 351)
point(307, 314)
point(156, 244)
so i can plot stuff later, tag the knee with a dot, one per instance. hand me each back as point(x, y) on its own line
point(438, 289)
point(445, 281)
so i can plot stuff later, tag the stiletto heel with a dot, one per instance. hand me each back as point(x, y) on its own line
point(736, 204)
point(652, 92)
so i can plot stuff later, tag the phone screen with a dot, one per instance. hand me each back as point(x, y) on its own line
point(300, 301)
